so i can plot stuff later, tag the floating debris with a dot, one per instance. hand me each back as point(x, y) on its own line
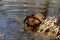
point(49, 29)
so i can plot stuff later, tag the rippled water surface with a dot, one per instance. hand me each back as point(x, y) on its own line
point(13, 13)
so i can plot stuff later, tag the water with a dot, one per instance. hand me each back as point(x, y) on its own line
point(13, 13)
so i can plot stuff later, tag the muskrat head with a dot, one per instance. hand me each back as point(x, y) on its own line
point(33, 21)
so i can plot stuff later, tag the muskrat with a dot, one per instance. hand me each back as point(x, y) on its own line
point(32, 22)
